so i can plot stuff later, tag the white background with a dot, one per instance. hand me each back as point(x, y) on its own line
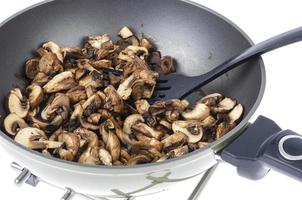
point(260, 20)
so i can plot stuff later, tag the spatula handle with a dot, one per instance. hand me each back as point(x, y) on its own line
point(273, 43)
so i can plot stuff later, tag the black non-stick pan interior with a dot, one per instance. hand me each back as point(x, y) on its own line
point(196, 38)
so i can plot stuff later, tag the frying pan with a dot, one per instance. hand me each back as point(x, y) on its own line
point(199, 39)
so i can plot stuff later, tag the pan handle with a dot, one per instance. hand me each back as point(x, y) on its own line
point(264, 146)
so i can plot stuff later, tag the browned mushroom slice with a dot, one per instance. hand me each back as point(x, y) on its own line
point(166, 124)
point(147, 130)
point(71, 147)
point(125, 32)
point(54, 48)
point(90, 156)
point(102, 64)
point(180, 151)
point(92, 104)
point(173, 141)
point(130, 121)
point(166, 65)
point(142, 106)
point(105, 157)
point(35, 95)
point(139, 159)
point(210, 121)
point(212, 99)
point(222, 129)
point(89, 136)
point(125, 88)
point(13, 123)
point(17, 103)
point(94, 118)
point(200, 112)
point(72, 52)
point(49, 64)
point(32, 68)
point(113, 146)
point(40, 79)
point(34, 138)
point(76, 94)
point(114, 102)
point(100, 41)
point(236, 114)
point(192, 129)
point(62, 81)
point(144, 42)
point(60, 105)
point(84, 122)
point(154, 143)
point(93, 79)
point(225, 105)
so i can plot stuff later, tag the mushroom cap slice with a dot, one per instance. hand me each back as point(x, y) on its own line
point(225, 105)
point(35, 95)
point(211, 99)
point(125, 88)
point(114, 101)
point(142, 106)
point(32, 68)
point(200, 112)
point(147, 130)
point(31, 138)
point(90, 156)
point(173, 141)
point(72, 144)
point(89, 136)
point(60, 105)
point(192, 129)
point(17, 103)
point(113, 146)
point(235, 114)
point(105, 157)
point(125, 32)
point(130, 121)
point(62, 81)
point(13, 123)
point(54, 48)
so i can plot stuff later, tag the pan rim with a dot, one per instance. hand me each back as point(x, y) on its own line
point(100, 169)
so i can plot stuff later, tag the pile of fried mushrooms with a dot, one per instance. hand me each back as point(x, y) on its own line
point(75, 110)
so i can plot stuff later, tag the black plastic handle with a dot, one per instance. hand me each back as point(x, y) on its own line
point(273, 43)
point(264, 146)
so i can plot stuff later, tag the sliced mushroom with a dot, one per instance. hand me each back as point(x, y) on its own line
point(71, 147)
point(166, 65)
point(13, 123)
point(154, 143)
point(90, 156)
point(89, 136)
point(54, 48)
point(235, 114)
point(102, 64)
point(192, 129)
point(139, 159)
point(142, 106)
point(125, 88)
point(130, 121)
point(144, 42)
point(125, 33)
point(40, 79)
point(76, 94)
point(99, 41)
point(225, 105)
point(113, 146)
point(32, 68)
point(92, 104)
point(17, 103)
point(222, 129)
point(34, 138)
point(200, 112)
point(49, 64)
point(35, 95)
point(62, 81)
point(147, 130)
point(60, 105)
point(114, 102)
point(105, 157)
point(173, 141)
point(212, 99)
point(210, 121)
point(180, 151)
point(93, 79)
